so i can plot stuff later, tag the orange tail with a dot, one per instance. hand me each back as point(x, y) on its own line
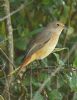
point(27, 61)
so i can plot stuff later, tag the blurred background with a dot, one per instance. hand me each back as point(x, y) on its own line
point(20, 20)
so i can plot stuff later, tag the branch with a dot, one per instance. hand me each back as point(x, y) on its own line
point(46, 81)
point(7, 58)
point(14, 12)
point(10, 49)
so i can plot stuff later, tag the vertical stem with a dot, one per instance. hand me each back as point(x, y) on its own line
point(9, 35)
point(31, 84)
point(10, 50)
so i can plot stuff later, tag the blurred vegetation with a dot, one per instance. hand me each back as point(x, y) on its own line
point(26, 23)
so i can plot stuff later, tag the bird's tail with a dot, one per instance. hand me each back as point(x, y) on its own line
point(20, 70)
point(26, 61)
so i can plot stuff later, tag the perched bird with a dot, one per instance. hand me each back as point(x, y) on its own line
point(43, 43)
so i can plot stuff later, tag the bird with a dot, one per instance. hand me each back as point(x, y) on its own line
point(43, 43)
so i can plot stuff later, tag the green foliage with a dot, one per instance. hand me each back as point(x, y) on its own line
point(55, 95)
point(26, 24)
point(73, 81)
point(75, 62)
point(38, 97)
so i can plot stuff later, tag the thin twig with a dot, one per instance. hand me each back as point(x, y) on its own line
point(31, 84)
point(46, 81)
point(7, 57)
point(14, 12)
point(71, 51)
point(10, 48)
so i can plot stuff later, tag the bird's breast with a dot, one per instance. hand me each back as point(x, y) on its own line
point(48, 47)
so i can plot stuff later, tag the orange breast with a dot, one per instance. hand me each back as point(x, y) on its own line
point(43, 52)
point(48, 47)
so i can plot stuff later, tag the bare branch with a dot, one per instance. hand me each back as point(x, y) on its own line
point(9, 34)
point(10, 49)
point(14, 12)
point(7, 57)
point(46, 81)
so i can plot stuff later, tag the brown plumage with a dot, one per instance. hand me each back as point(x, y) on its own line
point(43, 44)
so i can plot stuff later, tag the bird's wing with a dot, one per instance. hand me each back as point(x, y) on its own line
point(38, 42)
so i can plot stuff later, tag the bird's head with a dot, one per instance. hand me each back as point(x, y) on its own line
point(56, 27)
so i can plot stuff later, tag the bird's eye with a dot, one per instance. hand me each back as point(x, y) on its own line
point(57, 24)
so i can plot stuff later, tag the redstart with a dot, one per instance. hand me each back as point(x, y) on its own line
point(43, 44)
